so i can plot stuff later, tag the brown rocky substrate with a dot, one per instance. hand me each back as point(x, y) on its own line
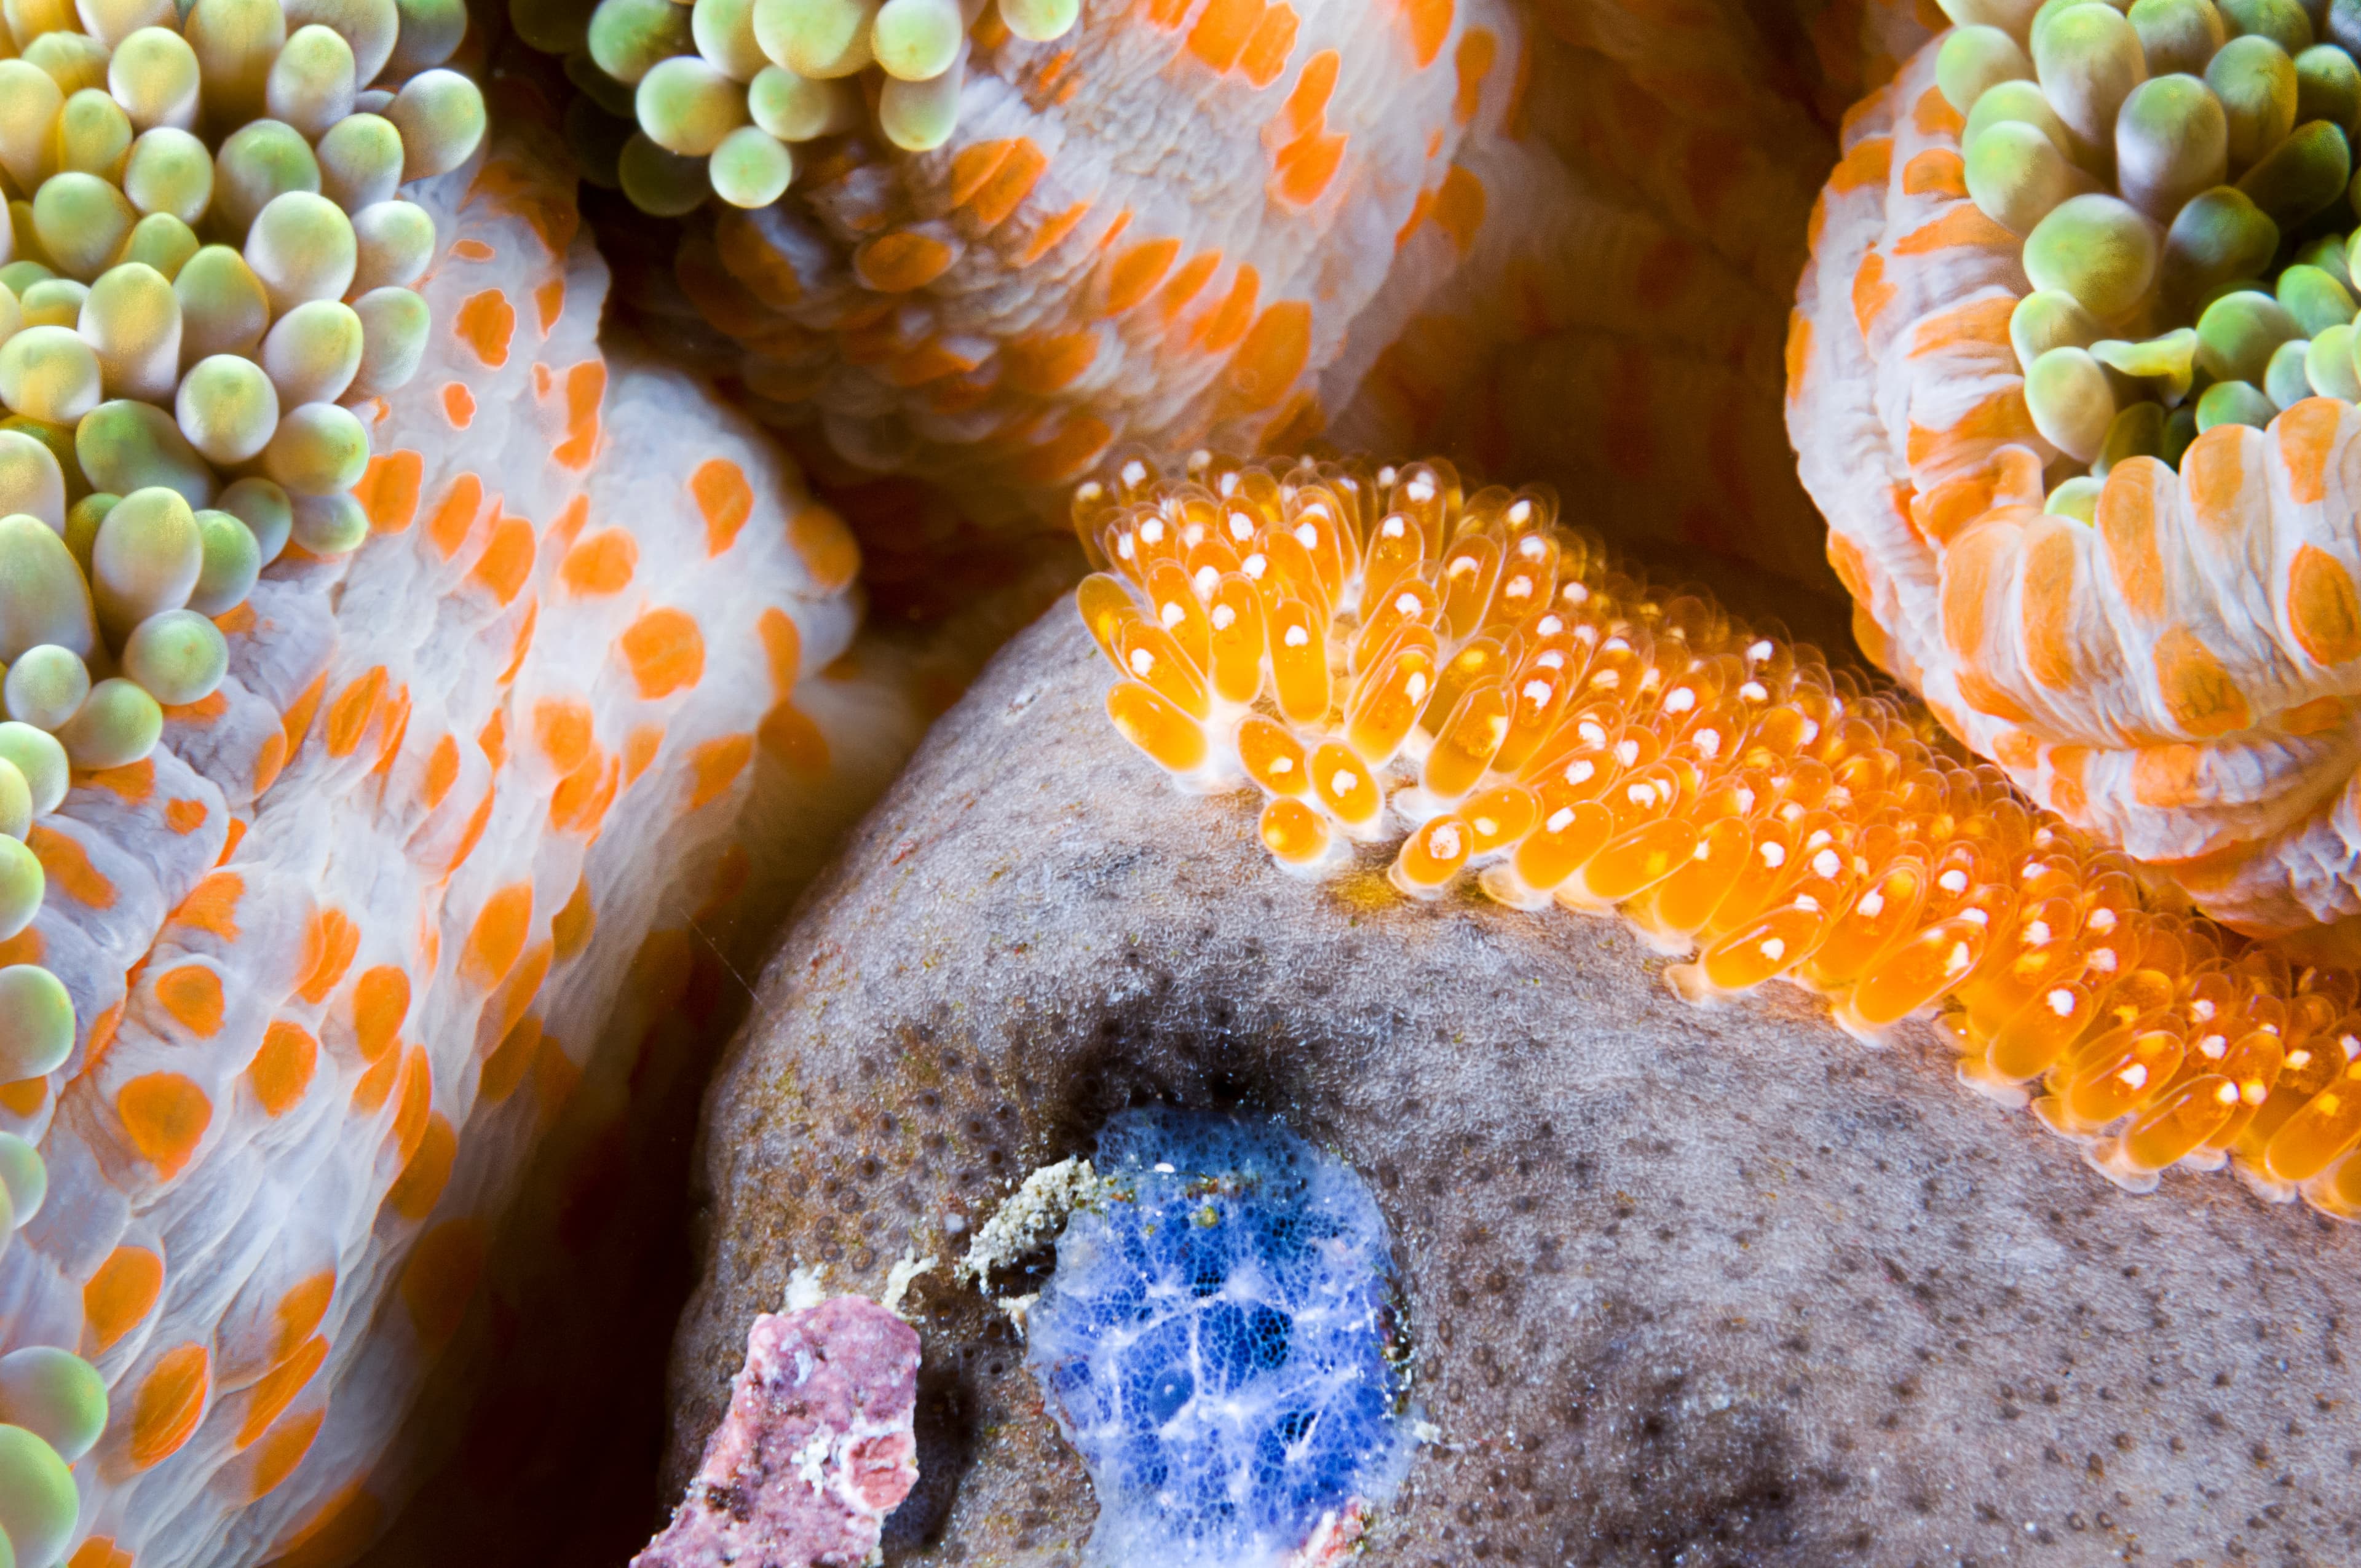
point(1687, 1287)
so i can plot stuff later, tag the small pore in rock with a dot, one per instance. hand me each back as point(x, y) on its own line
point(1217, 1344)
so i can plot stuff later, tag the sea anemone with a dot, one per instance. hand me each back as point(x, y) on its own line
point(1539, 237)
point(1389, 659)
point(206, 259)
point(2070, 375)
point(309, 999)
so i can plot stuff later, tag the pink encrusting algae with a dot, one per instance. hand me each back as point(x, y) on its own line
point(1387, 658)
point(815, 1449)
point(376, 924)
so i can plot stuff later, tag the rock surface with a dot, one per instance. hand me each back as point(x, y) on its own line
point(815, 1449)
point(1685, 1287)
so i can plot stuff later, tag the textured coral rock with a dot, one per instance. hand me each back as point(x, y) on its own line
point(1681, 1285)
point(815, 1449)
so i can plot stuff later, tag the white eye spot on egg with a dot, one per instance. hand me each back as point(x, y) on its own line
point(1615, 644)
point(1953, 880)
point(1774, 855)
point(1627, 753)
point(1580, 773)
point(1538, 692)
point(1152, 531)
point(1487, 826)
point(1709, 744)
point(1242, 527)
point(1560, 820)
point(2103, 960)
point(1387, 475)
point(1518, 587)
point(1421, 489)
point(1393, 527)
point(1873, 904)
point(1680, 699)
point(1591, 732)
point(1575, 593)
point(1754, 690)
point(1460, 566)
point(2037, 933)
point(1343, 783)
point(1205, 582)
point(1704, 850)
point(2254, 1091)
point(2202, 1010)
point(1827, 864)
point(1443, 842)
point(1281, 766)
point(1773, 949)
point(2213, 1047)
point(1306, 535)
point(2103, 921)
point(1224, 618)
point(1172, 615)
point(2297, 1060)
point(1409, 604)
point(1550, 659)
point(1143, 663)
point(1811, 730)
point(1976, 916)
point(1643, 795)
point(1759, 650)
point(1805, 902)
point(2351, 1044)
point(1520, 512)
point(2061, 1002)
point(1415, 688)
point(1135, 472)
point(1296, 637)
point(2134, 1076)
point(1193, 536)
point(1254, 567)
point(2227, 1095)
point(1124, 549)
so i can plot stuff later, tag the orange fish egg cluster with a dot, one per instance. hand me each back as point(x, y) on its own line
point(1380, 652)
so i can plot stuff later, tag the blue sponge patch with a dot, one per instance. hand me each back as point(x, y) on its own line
point(1217, 1345)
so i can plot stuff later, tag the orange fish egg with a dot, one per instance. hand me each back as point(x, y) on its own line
point(1741, 804)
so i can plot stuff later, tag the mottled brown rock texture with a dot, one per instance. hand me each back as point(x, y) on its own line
point(1687, 1287)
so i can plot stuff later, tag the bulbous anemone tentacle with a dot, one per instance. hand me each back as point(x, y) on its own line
point(1251, 223)
point(354, 969)
point(2085, 459)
